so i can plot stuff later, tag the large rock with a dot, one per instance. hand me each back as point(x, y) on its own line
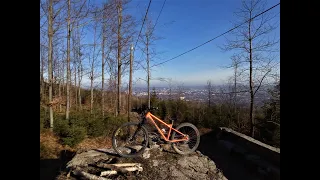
point(156, 164)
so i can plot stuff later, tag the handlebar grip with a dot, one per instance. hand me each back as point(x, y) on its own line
point(141, 110)
point(154, 108)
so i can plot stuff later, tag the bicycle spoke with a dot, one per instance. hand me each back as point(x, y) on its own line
point(130, 139)
point(189, 145)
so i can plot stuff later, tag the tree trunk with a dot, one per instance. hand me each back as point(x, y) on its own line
point(75, 87)
point(79, 84)
point(60, 106)
point(102, 65)
point(252, 123)
point(92, 67)
point(148, 66)
point(75, 67)
point(119, 58)
point(114, 86)
point(63, 85)
point(78, 52)
point(235, 88)
point(41, 74)
point(91, 90)
point(50, 36)
point(111, 88)
point(209, 93)
point(130, 84)
point(68, 64)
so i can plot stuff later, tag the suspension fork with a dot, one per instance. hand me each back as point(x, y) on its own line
point(141, 123)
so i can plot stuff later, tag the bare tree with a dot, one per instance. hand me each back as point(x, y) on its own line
point(130, 82)
point(80, 66)
point(124, 32)
point(169, 81)
point(119, 10)
point(42, 64)
point(77, 63)
point(107, 20)
point(112, 83)
point(148, 41)
point(255, 47)
point(109, 58)
point(235, 81)
point(50, 10)
point(209, 92)
point(68, 17)
point(79, 12)
point(75, 67)
point(68, 61)
point(91, 77)
point(103, 59)
point(92, 62)
point(58, 57)
point(50, 36)
point(180, 90)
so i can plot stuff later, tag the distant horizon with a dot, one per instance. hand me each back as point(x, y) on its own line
point(198, 86)
point(97, 84)
point(175, 86)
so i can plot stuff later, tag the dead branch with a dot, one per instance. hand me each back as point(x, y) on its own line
point(123, 168)
point(89, 176)
point(108, 173)
point(127, 164)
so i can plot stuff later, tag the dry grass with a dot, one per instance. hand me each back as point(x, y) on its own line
point(51, 143)
point(52, 146)
point(95, 143)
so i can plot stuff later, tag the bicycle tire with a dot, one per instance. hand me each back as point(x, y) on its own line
point(144, 145)
point(196, 133)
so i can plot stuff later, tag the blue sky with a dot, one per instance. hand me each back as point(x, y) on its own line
point(185, 24)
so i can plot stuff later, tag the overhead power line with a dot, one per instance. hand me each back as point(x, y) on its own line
point(145, 16)
point(164, 2)
point(216, 36)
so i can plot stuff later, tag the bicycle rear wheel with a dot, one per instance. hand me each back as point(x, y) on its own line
point(189, 146)
point(130, 139)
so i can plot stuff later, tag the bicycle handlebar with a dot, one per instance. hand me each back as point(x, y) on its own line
point(144, 110)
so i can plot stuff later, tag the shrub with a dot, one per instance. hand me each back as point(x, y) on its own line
point(96, 127)
point(70, 135)
point(44, 151)
point(61, 127)
point(111, 123)
point(44, 119)
point(74, 136)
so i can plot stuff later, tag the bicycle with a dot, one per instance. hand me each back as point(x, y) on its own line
point(185, 138)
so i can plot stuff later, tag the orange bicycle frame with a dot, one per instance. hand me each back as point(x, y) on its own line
point(153, 118)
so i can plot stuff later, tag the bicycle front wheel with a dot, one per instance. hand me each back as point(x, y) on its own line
point(130, 139)
point(189, 146)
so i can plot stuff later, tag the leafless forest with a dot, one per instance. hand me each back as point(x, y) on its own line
point(83, 95)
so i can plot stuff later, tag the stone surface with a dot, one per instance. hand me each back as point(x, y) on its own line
point(156, 164)
point(146, 153)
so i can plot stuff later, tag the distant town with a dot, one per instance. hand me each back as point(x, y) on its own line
point(201, 93)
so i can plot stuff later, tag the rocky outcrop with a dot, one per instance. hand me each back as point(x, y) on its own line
point(157, 162)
